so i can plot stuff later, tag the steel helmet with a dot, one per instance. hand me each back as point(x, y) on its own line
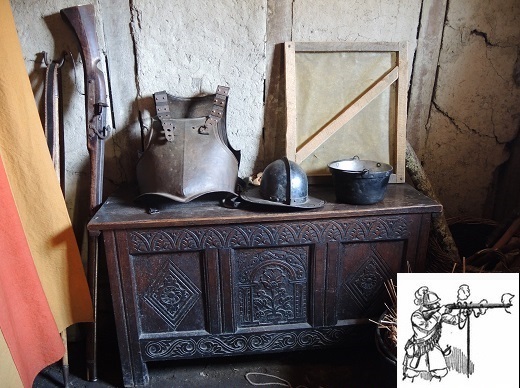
point(283, 183)
point(430, 298)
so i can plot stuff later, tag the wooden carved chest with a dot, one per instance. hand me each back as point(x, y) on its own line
point(200, 280)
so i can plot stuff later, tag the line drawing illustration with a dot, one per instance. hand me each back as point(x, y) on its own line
point(424, 356)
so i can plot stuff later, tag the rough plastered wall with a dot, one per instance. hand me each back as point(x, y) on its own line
point(475, 111)
point(356, 21)
point(190, 47)
point(185, 47)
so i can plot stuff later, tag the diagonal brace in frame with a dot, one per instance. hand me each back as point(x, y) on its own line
point(329, 129)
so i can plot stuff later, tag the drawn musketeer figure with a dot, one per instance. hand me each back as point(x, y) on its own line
point(422, 351)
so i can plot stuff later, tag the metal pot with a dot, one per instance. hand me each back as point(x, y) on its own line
point(360, 182)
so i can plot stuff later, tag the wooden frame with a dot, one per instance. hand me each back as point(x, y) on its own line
point(397, 74)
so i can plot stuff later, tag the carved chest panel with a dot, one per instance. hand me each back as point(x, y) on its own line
point(200, 280)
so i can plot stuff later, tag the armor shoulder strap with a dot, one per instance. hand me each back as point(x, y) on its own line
point(163, 113)
point(219, 104)
point(161, 104)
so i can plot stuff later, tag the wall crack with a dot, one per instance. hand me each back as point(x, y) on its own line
point(135, 25)
point(489, 44)
point(483, 35)
point(292, 19)
point(459, 128)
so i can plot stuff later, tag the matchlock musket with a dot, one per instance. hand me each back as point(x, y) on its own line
point(83, 22)
point(506, 302)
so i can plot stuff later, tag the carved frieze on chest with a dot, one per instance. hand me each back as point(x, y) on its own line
point(244, 343)
point(257, 235)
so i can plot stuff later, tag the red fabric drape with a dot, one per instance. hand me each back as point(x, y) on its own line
point(33, 339)
point(35, 230)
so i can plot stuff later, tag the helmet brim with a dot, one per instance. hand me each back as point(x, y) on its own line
point(253, 196)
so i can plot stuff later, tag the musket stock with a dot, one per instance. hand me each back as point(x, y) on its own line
point(82, 20)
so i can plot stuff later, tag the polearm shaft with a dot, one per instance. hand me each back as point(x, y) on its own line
point(480, 308)
point(468, 360)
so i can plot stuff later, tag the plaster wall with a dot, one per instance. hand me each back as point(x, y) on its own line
point(190, 47)
point(475, 110)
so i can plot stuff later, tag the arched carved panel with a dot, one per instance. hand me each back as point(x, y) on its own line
point(271, 286)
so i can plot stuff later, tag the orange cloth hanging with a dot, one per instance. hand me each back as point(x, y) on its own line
point(41, 210)
point(25, 316)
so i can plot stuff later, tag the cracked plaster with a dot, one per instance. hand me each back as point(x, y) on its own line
point(475, 110)
point(188, 47)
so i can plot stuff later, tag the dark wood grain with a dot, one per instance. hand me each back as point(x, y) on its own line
point(200, 280)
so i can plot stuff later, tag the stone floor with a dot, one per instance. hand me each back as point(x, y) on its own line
point(355, 366)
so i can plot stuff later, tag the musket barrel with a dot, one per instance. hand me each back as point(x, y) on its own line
point(470, 306)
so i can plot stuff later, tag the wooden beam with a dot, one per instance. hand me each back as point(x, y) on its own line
point(424, 72)
point(402, 88)
point(290, 95)
point(278, 31)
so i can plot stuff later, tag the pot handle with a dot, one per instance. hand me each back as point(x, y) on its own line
point(362, 172)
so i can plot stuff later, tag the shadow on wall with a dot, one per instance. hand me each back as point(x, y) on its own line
point(117, 160)
point(506, 193)
point(506, 190)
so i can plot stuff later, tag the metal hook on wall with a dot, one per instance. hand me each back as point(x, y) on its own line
point(59, 62)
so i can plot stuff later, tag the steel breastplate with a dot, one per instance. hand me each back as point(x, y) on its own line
point(188, 154)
